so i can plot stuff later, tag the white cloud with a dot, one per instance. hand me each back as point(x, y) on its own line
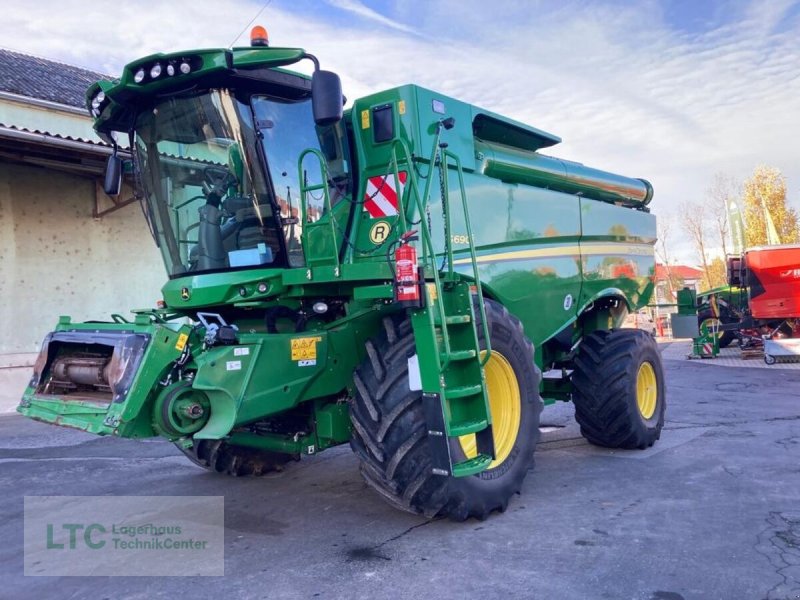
point(625, 91)
point(359, 9)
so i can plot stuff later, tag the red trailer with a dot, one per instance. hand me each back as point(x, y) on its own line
point(773, 281)
point(771, 316)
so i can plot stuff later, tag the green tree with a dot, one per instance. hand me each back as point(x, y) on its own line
point(766, 190)
point(716, 274)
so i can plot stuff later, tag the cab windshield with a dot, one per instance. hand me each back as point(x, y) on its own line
point(210, 203)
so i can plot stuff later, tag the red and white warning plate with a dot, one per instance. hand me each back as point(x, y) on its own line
point(380, 197)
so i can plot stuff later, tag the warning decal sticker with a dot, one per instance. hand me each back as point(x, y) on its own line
point(305, 348)
point(182, 339)
point(380, 198)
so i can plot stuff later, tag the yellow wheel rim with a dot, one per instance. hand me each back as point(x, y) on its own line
point(646, 390)
point(708, 324)
point(505, 406)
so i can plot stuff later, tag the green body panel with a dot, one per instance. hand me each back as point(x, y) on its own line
point(257, 377)
point(566, 248)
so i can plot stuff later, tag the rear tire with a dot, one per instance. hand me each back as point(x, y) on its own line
point(725, 337)
point(237, 461)
point(619, 391)
point(390, 432)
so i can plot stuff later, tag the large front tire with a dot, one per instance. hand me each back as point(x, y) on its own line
point(618, 389)
point(390, 432)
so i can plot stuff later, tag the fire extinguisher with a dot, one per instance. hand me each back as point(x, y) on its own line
point(406, 278)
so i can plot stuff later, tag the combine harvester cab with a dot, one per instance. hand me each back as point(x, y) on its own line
point(396, 275)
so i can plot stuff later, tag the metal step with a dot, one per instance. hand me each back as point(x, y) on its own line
point(460, 428)
point(458, 319)
point(459, 355)
point(463, 391)
point(472, 466)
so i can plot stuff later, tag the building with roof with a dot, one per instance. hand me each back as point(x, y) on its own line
point(65, 247)
point(671, 278)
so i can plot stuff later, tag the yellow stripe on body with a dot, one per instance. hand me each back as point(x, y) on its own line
point(582, 249)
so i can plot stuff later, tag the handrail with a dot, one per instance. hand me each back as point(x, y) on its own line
point(428, 253)
point(305, 189)
point(473, 256)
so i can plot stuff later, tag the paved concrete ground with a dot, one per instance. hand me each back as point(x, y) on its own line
point(712, 511)
point(728, 357)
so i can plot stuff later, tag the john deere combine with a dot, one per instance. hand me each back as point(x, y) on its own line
point(396, 275)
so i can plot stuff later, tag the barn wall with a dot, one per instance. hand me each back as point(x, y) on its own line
point(55, 259)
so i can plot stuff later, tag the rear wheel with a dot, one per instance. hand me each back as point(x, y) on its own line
point(238, 461)
point(706, 321)
point(619, 391)
point(390, 433)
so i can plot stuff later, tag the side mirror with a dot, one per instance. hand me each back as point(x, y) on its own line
point(326, 97)
point(112, 184)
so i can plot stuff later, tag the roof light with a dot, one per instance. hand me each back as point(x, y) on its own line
point(185, 68)
point(170, 70)
point(258, 36)
point(139, 77)
point(155, 71)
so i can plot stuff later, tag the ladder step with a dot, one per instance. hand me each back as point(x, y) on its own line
point(458, 319)
point(459, 355)
point(463, 391)
point(471, 466)
point(460, 428)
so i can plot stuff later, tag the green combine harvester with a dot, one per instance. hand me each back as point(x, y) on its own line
point(396, 275)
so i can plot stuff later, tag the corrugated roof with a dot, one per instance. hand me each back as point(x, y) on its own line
point(45, 79)
point(69, 138)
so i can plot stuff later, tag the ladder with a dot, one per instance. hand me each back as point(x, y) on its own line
point(445, 329)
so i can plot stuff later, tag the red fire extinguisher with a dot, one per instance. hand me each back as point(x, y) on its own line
point(406, 278)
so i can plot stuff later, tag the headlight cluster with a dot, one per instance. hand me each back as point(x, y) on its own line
point(97, 102)
point(157, 70)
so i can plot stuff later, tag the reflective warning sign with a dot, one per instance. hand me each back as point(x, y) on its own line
point(381, 199)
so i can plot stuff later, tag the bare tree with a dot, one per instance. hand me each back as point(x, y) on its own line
point(694, 221)
point(723, 190)
point(664, 227)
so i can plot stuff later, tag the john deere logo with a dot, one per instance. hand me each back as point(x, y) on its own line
point(185, 293)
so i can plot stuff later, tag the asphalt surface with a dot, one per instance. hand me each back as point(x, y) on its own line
point(711, 511)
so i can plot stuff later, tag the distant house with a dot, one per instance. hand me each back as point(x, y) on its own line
point(670, 278)
point(65, 247)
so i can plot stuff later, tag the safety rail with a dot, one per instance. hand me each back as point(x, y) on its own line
point(428, 252)
point(449, 242)
point(306, 189)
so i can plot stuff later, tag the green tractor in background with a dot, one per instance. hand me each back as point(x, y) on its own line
point(721, 306)
point(396, 275)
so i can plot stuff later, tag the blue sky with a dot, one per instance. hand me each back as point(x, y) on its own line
point(670, 90)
